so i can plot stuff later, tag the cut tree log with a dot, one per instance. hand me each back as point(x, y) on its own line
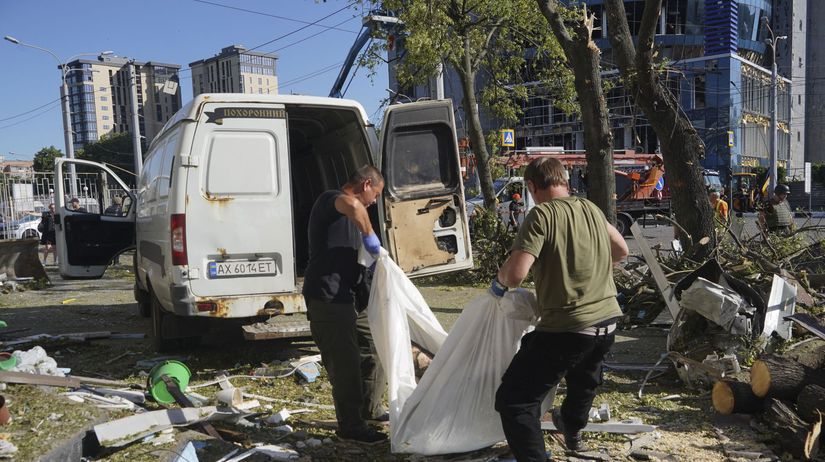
point(813, 357)
point(810, 404)
point(796, 436)
point(731, 397)
point(782, 378)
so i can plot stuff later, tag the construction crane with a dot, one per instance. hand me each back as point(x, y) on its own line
point(375, 21)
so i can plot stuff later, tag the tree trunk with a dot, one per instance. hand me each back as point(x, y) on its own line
point(682, 147)
point(811, 403)
point(782, 378)
point(796, 436)
point(468, 83)
point(731, 397)
point(584, 57)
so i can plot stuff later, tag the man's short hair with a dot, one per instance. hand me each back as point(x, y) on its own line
point(713, 192)
point(74, 199)
point(545, 172)
point(367, 172)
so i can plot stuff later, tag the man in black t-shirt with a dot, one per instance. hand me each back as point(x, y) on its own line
point(335, 290)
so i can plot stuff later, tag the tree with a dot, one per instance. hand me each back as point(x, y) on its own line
point(113, 149)
point(488, 35)
point(682, 148)
point(576, 39)
point(44, 159)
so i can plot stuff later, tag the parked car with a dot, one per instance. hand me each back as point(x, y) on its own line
point(24, 228)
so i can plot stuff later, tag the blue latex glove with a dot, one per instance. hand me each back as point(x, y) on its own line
point(371, 243)
point(498, 289)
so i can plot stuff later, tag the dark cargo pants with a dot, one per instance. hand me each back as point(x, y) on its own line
point(542, 361)
point(349, 357)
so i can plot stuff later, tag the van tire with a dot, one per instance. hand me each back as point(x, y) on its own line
point(144, 303)
point(160, 319)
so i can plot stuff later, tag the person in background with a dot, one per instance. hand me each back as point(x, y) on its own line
point(516, 210)
point(334, 292)
point(776, 215)
point(75, 205)
point(116, 208)
point(720, 207)
point(572, 249)
point(47, 235)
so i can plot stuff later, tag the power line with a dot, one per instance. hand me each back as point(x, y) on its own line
point(335, 27)
point(311, 36)
point(31, 110)
point(352, 2)
point(32, 117)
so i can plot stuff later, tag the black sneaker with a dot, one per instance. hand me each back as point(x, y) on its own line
point(573, 441)
point(367, 436)
point(383, 418)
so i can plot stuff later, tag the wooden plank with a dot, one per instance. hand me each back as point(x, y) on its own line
point(274, 330)
point(658, 275)
point(623, 426)
point(38, 379)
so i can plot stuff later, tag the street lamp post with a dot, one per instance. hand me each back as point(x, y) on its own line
point(772, 41)
point(64, 97)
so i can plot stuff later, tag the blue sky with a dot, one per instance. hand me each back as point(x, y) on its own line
point(169, 31)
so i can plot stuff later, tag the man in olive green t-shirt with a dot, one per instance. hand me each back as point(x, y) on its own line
point(572, 248)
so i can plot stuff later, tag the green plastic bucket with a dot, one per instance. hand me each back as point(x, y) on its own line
point(7, 361)
point(176, 370)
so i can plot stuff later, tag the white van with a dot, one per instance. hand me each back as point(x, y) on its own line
point(219, 219)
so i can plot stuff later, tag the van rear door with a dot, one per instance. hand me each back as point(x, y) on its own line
point(427, 228)
point(239, 236)
point(100, 226)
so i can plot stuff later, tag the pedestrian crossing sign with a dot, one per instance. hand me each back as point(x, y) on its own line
point(508, 137)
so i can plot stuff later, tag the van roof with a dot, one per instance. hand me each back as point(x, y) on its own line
point(190, 110)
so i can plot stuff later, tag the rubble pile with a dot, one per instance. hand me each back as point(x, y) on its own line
point(748, 324)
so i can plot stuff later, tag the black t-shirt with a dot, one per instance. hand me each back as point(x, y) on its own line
point(333, 271)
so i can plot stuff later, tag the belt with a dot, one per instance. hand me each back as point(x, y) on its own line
point(596, 331)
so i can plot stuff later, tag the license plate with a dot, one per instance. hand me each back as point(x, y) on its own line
point(226, 269)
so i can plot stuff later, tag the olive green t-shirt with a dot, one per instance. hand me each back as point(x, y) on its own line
point(574, 267)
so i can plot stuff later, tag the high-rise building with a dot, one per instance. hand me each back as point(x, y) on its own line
point(100, 97)
point(814, 74)
point(716, 64)
point(235, 70)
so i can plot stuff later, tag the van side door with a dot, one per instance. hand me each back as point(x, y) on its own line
point(426, 221)
point(94, 217)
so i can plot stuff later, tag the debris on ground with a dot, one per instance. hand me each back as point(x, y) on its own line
point(735, 326)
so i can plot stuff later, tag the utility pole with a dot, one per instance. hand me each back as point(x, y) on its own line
point(772, 41)
point(135, 120)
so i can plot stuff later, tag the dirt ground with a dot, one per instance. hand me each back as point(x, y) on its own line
point(688, 428)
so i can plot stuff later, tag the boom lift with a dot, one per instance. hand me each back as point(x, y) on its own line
point(375, 21)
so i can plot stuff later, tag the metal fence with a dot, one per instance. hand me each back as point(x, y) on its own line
point(25, 196)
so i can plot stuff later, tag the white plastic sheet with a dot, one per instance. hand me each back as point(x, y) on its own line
point(452, 408)
point(397, 314)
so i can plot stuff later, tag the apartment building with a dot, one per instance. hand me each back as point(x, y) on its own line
point(235, 70)
point(100, 96)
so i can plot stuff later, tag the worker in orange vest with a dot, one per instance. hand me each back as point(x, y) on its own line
point(720, 207)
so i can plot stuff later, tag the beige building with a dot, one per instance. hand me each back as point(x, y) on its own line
point(16, 166)
point(235, 70)
point(100, 97)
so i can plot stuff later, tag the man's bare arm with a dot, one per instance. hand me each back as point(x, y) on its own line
point(353, 209)
point(618, 246)
point(515, 268)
